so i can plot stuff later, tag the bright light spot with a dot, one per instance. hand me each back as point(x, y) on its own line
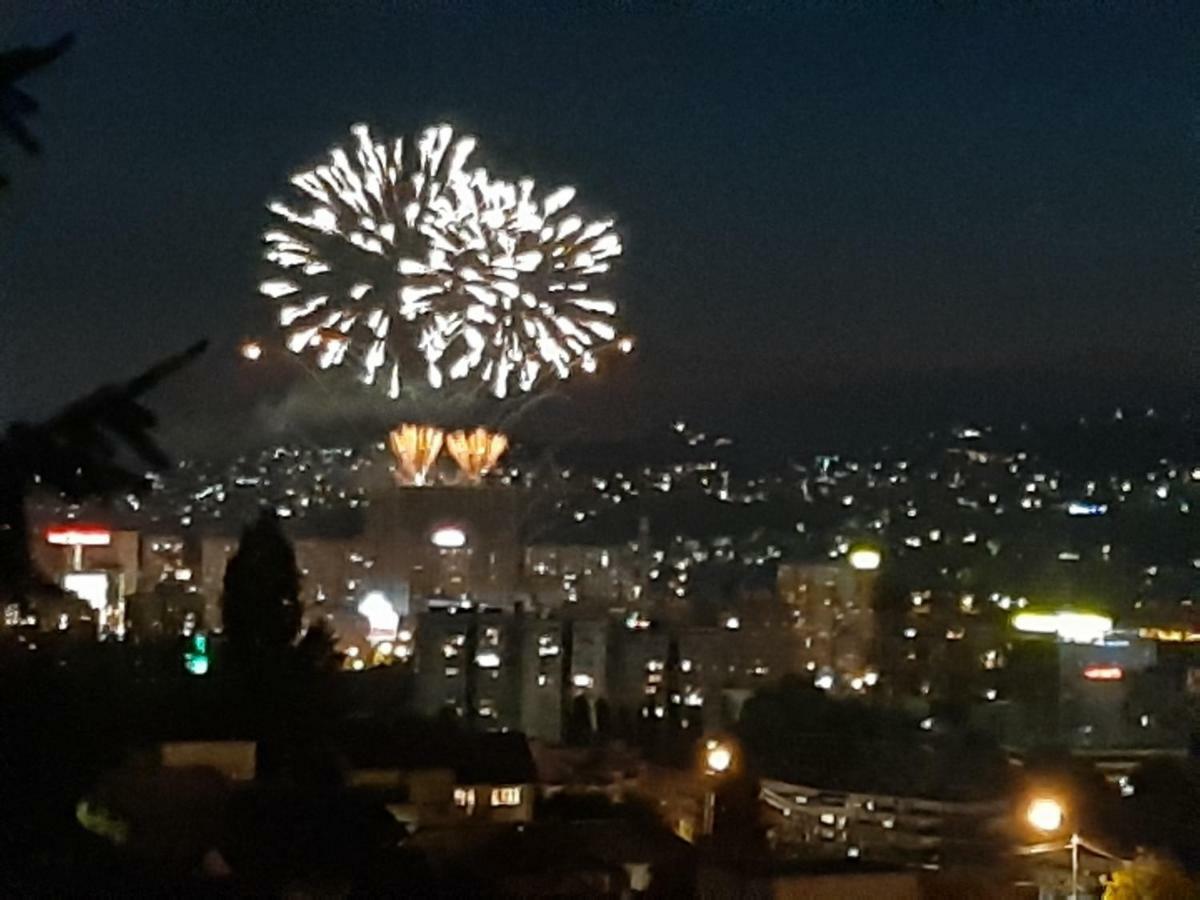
point(1071, 627)
point(252, 350)
point(733, 623)
point(448, 537)
point(488, 659)
point(718, 757)
point(864, 559)
point(91, 587)
point(1103, 673)
point(824, 682)
point(1045, 814)
point(582, 681)
point(381, 615)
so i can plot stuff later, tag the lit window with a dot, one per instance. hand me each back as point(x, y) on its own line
point(506, 796)
point(465, 798)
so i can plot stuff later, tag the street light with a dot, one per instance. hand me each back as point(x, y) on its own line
point(1047, 815)
point(718, 757)
point(718, 763)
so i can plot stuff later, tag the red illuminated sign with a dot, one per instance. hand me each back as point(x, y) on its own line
point(1103, 673)
point(78, 536)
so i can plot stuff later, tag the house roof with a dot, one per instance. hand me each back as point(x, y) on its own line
point(487, 758)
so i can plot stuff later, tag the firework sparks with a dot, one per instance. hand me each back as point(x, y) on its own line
point(406, 262)
point(366, 255)
point(526, 288)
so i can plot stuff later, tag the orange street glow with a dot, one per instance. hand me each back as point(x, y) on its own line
point(1103, 673)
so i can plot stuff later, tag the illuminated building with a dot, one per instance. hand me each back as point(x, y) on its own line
point(600, 578)
point(837, 824)
point(431, 781)
point(498, 670)
point(333, 571)
point(408, 532)
point(99, 565)
point(830, 608)
point(1107, 696)
point(169, 609)
point(163, 557)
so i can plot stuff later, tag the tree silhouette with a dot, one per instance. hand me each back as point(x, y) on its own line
point(317, 651)
point(261, 598)
point(578, 731)
point(15, 104)
point(83, 450)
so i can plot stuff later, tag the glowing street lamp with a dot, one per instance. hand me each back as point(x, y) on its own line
point(718, 757)
point(1045, 814)
point(1048, 815)
point(719, 761)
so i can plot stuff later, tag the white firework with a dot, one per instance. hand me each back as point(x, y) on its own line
point(405, 264)
point(370, 251)
point(524, 290)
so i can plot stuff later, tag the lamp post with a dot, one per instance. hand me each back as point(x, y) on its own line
point(1047, 815)
point(718, 762)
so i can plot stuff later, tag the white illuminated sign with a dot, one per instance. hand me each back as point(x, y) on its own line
point(448, 537)
point(381, 616)
point(90, 587)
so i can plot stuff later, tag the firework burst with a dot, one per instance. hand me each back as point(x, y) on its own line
point(366, 254)
point(524, 286)
point(401, 260)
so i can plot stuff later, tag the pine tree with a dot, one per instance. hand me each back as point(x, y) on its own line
point(261, 598)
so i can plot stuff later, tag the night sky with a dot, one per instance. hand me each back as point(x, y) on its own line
point(838, 223)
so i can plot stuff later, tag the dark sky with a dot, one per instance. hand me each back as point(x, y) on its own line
point(837, 222)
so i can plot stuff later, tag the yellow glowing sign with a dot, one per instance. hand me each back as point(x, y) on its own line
point(1072, 627)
